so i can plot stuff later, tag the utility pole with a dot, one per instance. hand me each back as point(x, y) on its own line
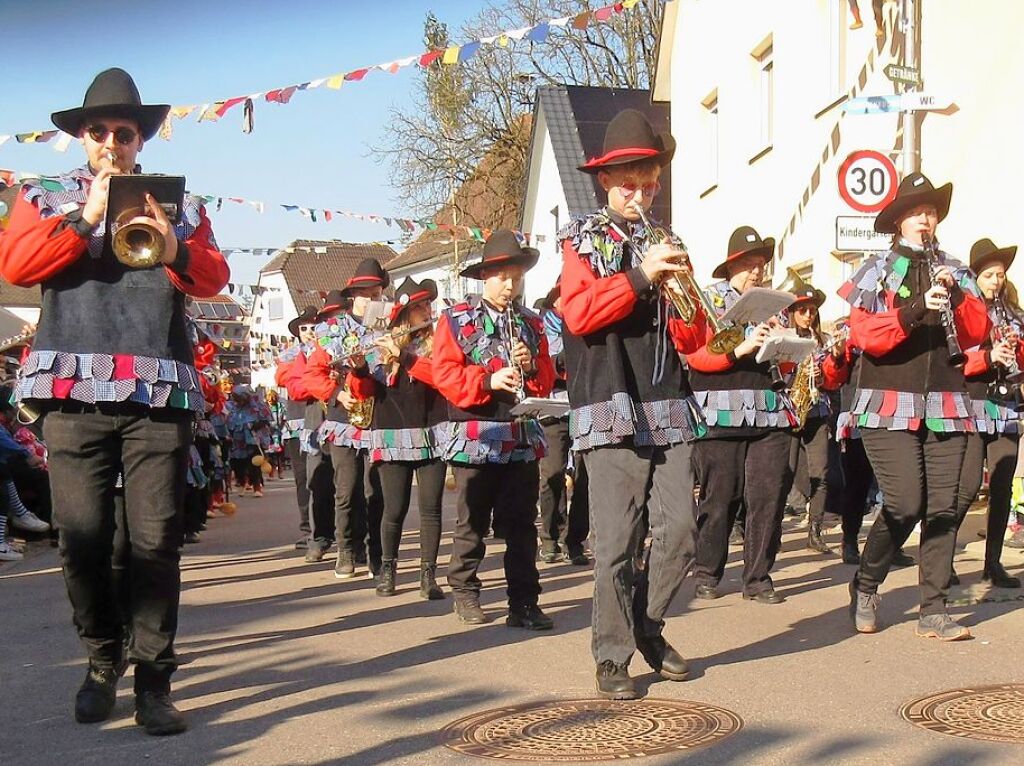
point(909, 17)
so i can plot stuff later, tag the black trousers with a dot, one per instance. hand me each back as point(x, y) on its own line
point(1000, 452)
point(630, 483)
point(509, 492)
point(857, 478)
point(563, 524)
point(396, 486)
point(358, 501)
point(810, 447)
point(245, 472)
point(320, 481)
point(753, 471)
point(919, 473)
point(86, 450)
point(298, 460)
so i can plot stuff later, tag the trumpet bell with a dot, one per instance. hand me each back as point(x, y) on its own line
point(726, 340)
point(27, 415)
point(793, 283)
point(136, 245)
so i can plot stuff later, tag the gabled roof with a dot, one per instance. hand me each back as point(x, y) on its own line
point(576, 117)
point(311, 266)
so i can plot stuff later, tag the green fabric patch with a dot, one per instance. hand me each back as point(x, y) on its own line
point(935, 424)
point(991, 410)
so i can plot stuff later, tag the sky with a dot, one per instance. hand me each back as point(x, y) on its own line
point(313, 151)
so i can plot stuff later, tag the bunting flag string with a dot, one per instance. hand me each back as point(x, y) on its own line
point(407, 225)
point(453, 55)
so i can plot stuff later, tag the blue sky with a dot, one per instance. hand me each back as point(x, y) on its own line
point(313, 151)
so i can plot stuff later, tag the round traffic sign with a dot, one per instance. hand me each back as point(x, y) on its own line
point(868, 181)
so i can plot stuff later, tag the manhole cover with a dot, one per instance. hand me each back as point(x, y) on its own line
point(994, 713)
point(590, 730)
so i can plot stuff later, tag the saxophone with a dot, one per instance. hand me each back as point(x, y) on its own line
point(361, 414)
point(804, 392)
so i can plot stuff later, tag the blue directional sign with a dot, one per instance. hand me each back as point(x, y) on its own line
point(874, 104)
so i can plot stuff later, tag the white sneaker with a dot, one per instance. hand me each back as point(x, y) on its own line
point(7, 553)
point(29, 522)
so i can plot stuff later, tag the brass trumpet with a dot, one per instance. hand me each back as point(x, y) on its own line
point(725, 338)
point(136, 245)
point(26, 413)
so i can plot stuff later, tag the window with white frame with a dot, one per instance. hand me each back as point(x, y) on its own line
point(763, 58)
point(275, 307)
point(710, 107)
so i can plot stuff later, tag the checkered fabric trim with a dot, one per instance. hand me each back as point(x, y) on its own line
point(403, 445)
point(745, 407)
point(648, 424)
point(939, 411)
point(93, 378)
point(476, 442)
point(991, 417)
point(884, 274)
point(343, 435)
point(602, 245)
point(846, 427)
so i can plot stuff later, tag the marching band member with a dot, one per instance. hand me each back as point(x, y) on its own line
point(357, 514)
point(632, 415)
point(112, 366)
point(303, 329)
point(745, 457)
point(909, 308)
point(993, 383)
point(488, 352)
point(408, 417)
point(822, 372)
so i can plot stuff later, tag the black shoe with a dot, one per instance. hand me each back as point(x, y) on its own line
point(386, 582)
point(156, 712)
point(954, 579)
point(98, 693)
point(360, 557)
point(662, 658)
point(550, 557)
point(707, 592)
point(851, 555)
point(736, 536)
point(769, 596)
point(191, 538)
point(529, 617)
point(999, 577)
point(614, 683)
point(315, 551)
point(577, 557)
point(467, 609)
point(429, 589)
point(375, 564)
point(901, 559)
point(814, 541)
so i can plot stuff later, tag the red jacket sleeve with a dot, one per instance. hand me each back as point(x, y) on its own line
point(33, 249)
point(297, 390)
point(281, 374)
point(834, 373)
point(688, 338)
point(419, 367)
point(972, 321)
point(703, 360)
point(200, 269)
point(464, 385)
point(978, 362)
point(544, 379)
point(316, 377)
point(876, 333)
point(361, 387)
point(590, 303)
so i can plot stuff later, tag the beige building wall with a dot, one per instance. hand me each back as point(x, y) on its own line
point(793, 63)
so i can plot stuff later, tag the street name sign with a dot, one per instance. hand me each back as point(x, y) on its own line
point(856, 233)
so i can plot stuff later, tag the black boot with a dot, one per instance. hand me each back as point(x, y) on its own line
point(386, 581)
point(662, 657)
point(156, 712)
point(613, 681)
point(98, 693)
point(999, 577)
point(429, 589)
point(851, 554)
point(814, 541)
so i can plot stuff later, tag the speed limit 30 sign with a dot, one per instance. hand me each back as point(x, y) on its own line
point(868, 181)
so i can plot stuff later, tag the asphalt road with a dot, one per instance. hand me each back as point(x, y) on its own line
point(283, 664)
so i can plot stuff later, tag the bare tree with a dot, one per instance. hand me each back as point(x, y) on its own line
point(463, 113)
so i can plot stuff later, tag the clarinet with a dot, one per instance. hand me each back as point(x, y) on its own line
point(956, 354)
point(1006, 386)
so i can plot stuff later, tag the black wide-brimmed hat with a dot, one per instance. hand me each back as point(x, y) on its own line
point(336, 299)
point(113, 94)
point(913, 190)
point(306, 317)
point(369, 273)
point(808, 294)
point(744, 241)
point(410, 292)
point(502, 249)
point(629, 137)
point(984, 251)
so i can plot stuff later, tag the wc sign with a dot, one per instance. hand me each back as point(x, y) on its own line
point(867, 181)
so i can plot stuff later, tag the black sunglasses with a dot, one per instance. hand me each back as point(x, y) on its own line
point(123, 136)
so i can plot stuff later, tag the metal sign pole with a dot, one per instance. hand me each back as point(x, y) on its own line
point(911, 140)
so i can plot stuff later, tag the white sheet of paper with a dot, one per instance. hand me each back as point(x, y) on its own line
point(785, 346)
point(539, 407)
point(758, 304)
